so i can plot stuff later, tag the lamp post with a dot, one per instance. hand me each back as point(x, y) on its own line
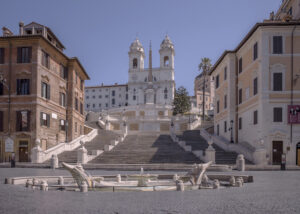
point(231, 131)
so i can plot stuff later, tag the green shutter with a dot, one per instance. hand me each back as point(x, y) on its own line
point(48, 91)
point(48, 120)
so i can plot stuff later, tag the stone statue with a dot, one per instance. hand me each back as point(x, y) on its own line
point(198, 172)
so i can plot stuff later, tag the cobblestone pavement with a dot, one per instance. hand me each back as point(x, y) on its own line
point(271, 192)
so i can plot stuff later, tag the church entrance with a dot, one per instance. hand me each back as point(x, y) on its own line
point(298, 154)
point(277, 152)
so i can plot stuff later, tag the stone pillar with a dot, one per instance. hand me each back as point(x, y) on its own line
point(216, 184)
point(37, 152)
point(180, 186)
point(82, 155)
point(44, 186)
point(240, 162)
point(54, 161)
point(60, 180)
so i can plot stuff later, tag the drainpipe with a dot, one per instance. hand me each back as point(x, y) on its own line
point(9, 86)
point(236, 124)
point(292, 79)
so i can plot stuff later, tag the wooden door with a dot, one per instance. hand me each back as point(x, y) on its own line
point(277, 152)
point(23, 151)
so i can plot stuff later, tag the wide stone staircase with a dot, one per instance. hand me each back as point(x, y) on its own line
point(147, 149)
point(103, 137)
point(197, 142)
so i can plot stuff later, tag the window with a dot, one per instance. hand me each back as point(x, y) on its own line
point(277, 114)
point(76, 79)
point(63, 72)
point(240, 96)
point(1, 88)
point(225, 126)
point(45, 119)
point(126, 96)
point(23, 121)
point(81, 84)
point(240, 123)
point(217, 81)
point(81, 108)
point(134, 63)
point(218, 129)
point(290, 11)
point(76, 104)
point(134, 97)
point(255, 86)
point(62, 125)
point(106, 96)
point(106, 105)
point(113, 93)
point(87, 97)
point(100, 96)
point(24, 55)
point(94, 105)
point(87, 105)
point(240, 65)
point(255, 51)
point(45, 90)
point(277, 45)
point(45, 59)
point(94, 97)
point(1, 121)
point(166, 93)
point(225, 101)
point(23, 86)
point(255, 119)
point(113, 101)
point(166, 61)
point(277, 81)
point(62, 99)
point(75, 126)
point(99, 104)
point(247, 93)
point(2, 55)
point(225, 73)
point(218, 106)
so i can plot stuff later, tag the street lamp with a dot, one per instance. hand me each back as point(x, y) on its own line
point(231, 131)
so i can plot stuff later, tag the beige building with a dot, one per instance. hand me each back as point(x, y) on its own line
point(209, 93)
point(41, 92)
point(257, 89)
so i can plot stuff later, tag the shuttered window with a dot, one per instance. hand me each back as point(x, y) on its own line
point(24, 55)
point(76, 104)
point(277, 45)
point(44, 119)
point(255, 51)
point(240, 123)
point(218, 106)
point(62, 99)
point(45, 59)
point(1, 121)
point(277, 81)
point(81, 108)
point(255, 86)
point(2, 55)
point(240, 65)
point(225, 126)
point(255, 117)
point(23, 120)
point(1, 88)
point(45, 90)
point(225, 101)
point(240, 96)
point(217, 81)
point(63, 72)
point(225, 73)
point(23, 86)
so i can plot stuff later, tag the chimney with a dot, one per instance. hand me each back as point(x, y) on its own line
point(6, 32)
point(21, 28)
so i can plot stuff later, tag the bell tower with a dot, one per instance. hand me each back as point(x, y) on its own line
point(167, 53)
point(136, 56)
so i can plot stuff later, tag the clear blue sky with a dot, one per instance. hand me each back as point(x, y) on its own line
point(100, 32)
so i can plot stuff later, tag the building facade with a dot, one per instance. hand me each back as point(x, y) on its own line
point(134, 93)
point(41, 92)
point(199, 82)
point(257, 90)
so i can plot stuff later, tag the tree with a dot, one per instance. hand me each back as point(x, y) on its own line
point(205, 66)
point(181, 101)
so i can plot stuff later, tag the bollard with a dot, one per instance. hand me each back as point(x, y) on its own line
point(28, 183)
point(216, 184)
point(54, 162)
point(34, 183)
point(60, 180)
point(239, 183)
point(240, 162)
point(180, 186)
point(83, 187)
point(232, 181)
point(44, 186)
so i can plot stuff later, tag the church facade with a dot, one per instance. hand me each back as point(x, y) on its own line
point(139, 77)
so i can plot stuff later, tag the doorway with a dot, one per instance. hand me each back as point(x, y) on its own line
point(277, 152)
point(298, 154)
point(23, 151)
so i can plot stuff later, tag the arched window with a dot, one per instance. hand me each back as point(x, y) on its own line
point(134, 63)
point(166, 93)
point(166, 61)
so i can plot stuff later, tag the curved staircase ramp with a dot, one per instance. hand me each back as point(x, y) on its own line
point(146, 149)
point(103, 138)
point(197, 142)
